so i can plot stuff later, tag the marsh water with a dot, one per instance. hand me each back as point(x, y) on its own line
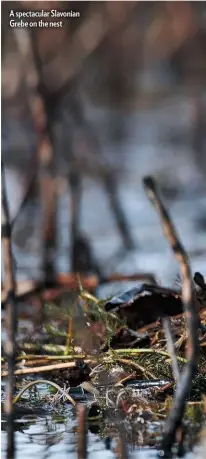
point(159, 142)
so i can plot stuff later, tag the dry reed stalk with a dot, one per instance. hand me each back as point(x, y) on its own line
point(174, 420)
point(75, 202)
point(43, 368)
point(82, 432)
point(166, 322)
point(122, 450)
point(11, 316)
point(116, 277)
point(111, 188)
point(42, 117)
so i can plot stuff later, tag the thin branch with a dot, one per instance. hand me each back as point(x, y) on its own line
point(116, 277)
point(75, 204)
point(117, 209)
point(171, 347)
point(42, 113)
point(122, 441)
point(135, 352)
point(137, 367)
point(82, 432)
point(189, 303)
point(11, 315)
point(43, 368)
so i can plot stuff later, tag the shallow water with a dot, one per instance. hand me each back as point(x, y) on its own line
point(145, 151)
point(51, 440)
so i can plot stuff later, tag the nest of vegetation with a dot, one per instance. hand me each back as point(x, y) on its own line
point(94, 358)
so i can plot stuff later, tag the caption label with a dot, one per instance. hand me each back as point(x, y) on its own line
point(43, 18)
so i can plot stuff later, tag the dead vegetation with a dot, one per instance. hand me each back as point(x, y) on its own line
point(146, 374)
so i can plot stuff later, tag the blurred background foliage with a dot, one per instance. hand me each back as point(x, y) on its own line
point(123, 73)
point(118, 55)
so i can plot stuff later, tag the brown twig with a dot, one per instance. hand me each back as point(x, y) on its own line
point(82, 432)
point(31, 357)
point(43, 368)
point(11, 316)
point(123, 227)
point(171, 347)
point(116, 277)
point(127, 378)
point(122, 450)
point(42, 114)
point(137, 366)
point(75, 202)
point(189, 302)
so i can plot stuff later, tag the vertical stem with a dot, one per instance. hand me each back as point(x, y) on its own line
point(46, 183)
point(175, 418)
point(42, 110)
point(122, 444)
point(171, 348)
point(75, 194)
point(43, 119)
point(81, 432)
point(11, 317)
point(120, 218)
